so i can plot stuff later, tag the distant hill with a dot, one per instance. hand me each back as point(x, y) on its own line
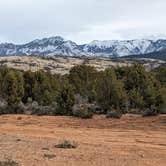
point(154, 55)
point(62, 64)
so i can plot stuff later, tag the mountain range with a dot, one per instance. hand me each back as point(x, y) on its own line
point(109, 48)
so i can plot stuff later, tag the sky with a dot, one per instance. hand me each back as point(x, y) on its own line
point(81, 20)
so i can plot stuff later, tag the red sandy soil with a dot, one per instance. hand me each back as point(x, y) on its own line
point(129, 141)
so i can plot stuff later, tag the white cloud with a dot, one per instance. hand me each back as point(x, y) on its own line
point(81, 20)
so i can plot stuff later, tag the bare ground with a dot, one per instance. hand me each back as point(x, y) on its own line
point(130, 141)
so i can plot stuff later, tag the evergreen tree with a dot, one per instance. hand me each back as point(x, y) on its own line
point(161, 100)
point(110, 91)
point(161, 76)
point(65, 100)
point(20, 85)
point(135, 98)
point(29, 81)
point(42, 88)
point(141, 85)
point(13, 87)
point(82, 78)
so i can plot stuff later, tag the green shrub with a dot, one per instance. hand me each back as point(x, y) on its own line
point(162, 109)
point(150, 112)
point(66, 144)
point(29, 100)
point(43, 110)
point(3, 106)
point(94, 108)
point(18, 108)
point(82, 111)
point(114, 114)
point(8, 162)
point(12, 109)
point(134, 111)
point(3, 110)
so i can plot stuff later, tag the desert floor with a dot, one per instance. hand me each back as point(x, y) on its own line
point(130, 141)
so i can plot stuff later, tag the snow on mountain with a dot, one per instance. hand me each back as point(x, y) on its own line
point(119, 48)
point(58, 46)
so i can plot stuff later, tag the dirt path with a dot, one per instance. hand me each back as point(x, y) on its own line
point(130, 141)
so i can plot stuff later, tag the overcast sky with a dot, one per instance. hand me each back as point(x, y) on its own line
point(81, 20)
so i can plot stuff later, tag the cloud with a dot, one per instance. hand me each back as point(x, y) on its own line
point(80, 20)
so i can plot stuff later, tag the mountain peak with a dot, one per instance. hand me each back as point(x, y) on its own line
point(56, 45)
point(56, 38)
point(52, 40)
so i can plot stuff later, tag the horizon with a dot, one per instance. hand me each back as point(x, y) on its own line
point(152, 37)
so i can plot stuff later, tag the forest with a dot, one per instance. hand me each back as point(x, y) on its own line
point(84, 92)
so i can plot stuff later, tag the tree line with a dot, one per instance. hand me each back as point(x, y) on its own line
point(120, 89)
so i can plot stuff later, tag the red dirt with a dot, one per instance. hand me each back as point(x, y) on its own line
point(130, 141)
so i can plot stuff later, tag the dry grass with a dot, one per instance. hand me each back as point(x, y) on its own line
point(62, 65)
point(49, 156)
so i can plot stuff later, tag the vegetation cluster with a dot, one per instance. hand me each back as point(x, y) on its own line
point(84, 92)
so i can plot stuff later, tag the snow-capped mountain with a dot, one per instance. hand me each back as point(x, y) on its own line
point(47, 46)
point(58, 46)
point(122, 48)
